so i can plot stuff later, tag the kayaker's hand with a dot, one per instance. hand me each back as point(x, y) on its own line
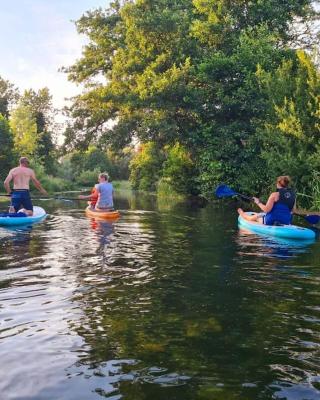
point(43, 191)
point(256, 200)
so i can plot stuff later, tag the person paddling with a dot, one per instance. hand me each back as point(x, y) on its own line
point(105, 193)
point(101, 197)
point(92, 197)
point(20, 195)
point(279, 207)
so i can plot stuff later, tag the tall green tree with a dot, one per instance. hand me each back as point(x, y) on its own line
point(8, 96)
point(40, 105)
point(24, 128)
point(143, 51)
point(289, 134)
point(7, 156)
point(183, 71)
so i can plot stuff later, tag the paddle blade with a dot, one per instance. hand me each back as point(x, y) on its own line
point(312, 219)
point(224, 191)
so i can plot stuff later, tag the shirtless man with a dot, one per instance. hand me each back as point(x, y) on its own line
point(20, 194)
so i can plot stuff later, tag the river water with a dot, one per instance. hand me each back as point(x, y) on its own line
point(171, 301)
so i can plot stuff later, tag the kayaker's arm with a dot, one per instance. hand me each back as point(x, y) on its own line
point(37, 184)
point(269, 205)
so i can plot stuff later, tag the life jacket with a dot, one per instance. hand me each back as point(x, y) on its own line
point(94, 197)
point(281, 210)
point(287, 197)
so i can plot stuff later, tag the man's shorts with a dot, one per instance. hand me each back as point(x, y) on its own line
point(20, 198)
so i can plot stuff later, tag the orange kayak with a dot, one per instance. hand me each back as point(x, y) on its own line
point(102, 214)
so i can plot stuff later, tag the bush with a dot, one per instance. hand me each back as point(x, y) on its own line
point(178, 169)
point(65, 170)
point(145, 167)
point(51, 183)
point(166, 190)
point(88, 178)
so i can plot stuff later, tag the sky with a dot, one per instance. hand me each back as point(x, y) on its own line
point(37, 37)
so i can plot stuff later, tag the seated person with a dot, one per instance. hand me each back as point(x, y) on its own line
point(93, 197)
point(105, 193)
point(279, 207)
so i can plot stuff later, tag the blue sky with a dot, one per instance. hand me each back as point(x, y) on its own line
point(37, 38)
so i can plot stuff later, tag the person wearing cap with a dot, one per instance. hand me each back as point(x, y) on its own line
point(20, 195)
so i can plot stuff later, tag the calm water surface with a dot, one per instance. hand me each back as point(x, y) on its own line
point(168, 302)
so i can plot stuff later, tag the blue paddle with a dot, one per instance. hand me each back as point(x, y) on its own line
point(225, 191)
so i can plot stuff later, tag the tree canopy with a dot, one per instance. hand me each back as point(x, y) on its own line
point(218, 77)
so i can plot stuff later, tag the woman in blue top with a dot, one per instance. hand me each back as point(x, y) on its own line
point(105, 193)
point(279, 207)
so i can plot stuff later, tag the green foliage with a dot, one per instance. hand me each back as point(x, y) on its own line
point(166, 190)
point(96, 159)
point(41, 110)
point(65, 169)
point(88, 178)
point(178, 169)
point(24, 130)
point(143, 50)
point(290, 136)
point(145, 167)
point(120, 163)
point(83, 167)
point(315, 194)
point(6, 147)
point(8, 96)
point(217, 77)
point(93, 159)
point(30, 122)
point(51, 183)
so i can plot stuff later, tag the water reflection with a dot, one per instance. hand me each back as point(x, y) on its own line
point(166, 302)
point(268, 246)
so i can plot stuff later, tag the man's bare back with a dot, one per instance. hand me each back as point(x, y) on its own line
point(21, 177)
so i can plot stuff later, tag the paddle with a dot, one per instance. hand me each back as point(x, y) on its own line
point(313, 219)
point(225, 191)
point(47, 197)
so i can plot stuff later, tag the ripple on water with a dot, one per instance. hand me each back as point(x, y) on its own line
point(155, 305)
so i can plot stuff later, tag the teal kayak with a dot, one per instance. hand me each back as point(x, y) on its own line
point(38, 215)
point(282, 231)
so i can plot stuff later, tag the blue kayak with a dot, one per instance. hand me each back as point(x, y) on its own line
point(38, 215)
point(282, 231)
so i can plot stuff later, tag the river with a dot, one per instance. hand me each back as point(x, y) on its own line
point(170, 301)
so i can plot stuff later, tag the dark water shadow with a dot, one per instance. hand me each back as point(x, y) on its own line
point(271, 247)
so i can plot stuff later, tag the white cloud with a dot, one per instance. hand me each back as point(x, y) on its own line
point(38, 38)
point(40, 48)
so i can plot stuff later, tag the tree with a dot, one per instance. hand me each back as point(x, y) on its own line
point(8, 96)
point(145, 167)
point(289, 134)
point(183, 71)
point(24, 128)
point(40, 105)
point(142, 50)
point(6, 145)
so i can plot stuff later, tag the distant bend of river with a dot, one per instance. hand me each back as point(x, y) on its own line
point(167, 302)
